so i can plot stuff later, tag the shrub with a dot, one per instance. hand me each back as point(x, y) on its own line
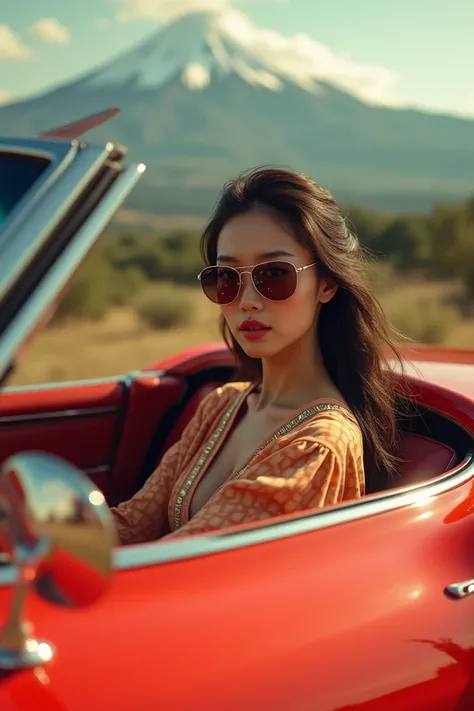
point(165, 305)
point(424, 319)
point(88, 295)
point(381, 275)
point(125, 286)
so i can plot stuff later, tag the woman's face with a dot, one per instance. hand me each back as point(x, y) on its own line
point(253, 238)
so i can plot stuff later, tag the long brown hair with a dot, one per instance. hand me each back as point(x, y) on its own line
point(354, 336)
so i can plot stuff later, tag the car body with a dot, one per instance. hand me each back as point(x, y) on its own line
point(365, 605)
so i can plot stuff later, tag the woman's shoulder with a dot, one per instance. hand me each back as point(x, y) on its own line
point(330, 424)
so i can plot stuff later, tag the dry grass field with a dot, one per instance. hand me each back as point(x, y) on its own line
point(121, 343)
point(157, 224)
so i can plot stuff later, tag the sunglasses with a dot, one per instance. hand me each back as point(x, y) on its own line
point(276, 281)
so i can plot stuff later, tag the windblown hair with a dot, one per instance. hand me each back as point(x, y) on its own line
point(356, 340)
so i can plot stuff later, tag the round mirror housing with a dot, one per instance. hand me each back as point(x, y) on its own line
point(59, 532)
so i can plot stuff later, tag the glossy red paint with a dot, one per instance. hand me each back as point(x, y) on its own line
point(440, 396)
point(192, 360)
point(77, 128)
point(301, 623)
point(347, 617)
point(437, 354)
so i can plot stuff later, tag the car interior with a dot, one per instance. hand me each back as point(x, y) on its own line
point(430, 445)
point(116, 430)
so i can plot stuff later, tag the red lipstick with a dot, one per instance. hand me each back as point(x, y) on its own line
point(253, 330)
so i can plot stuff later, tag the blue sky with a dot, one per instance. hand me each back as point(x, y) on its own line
point(426, 45)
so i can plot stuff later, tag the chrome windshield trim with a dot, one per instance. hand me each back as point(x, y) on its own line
point(17, 243)
point(59, 153)
point(65, 266)
point(145, 555)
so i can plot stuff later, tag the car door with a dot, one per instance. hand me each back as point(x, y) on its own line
point(104, 426)
point(343, 609)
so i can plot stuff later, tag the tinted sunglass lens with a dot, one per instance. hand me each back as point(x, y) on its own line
point(220, 285)
point(275, 280)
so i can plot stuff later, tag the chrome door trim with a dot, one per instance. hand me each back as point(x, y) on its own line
point(59, 385)
point(149, 554)
point(144, 555)
point(65, 266)
point(67, 413)
point(125, 380)
point(99, 469)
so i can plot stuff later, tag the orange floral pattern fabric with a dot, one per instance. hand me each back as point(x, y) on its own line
point(314, 460)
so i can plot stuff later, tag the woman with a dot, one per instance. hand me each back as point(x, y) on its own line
point(314, 404)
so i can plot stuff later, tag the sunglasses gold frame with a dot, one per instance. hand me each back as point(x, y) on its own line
point(245, 270)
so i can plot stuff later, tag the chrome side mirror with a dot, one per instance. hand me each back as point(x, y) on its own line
point(57, 529)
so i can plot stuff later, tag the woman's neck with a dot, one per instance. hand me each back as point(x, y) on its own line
point(294, 377)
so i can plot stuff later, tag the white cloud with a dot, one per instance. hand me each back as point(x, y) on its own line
point(11, 46)
point(170, 9)
point(463, 109)
point(468, 108)
point(305, 60)
point(163, 9)
point(50, 29)
point(299, 57)
point(5, 97)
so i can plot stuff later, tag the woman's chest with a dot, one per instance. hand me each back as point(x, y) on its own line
point(240, 445)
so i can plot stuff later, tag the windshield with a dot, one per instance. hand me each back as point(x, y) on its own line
point(18, 172)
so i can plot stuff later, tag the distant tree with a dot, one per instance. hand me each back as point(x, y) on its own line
point(164, 306)
point(128, 240)
point(405, 240)
point(181, 241)
point(470, 210)
point(452, 239)
point(88, 295)
point(366, 224)
point(447, 224)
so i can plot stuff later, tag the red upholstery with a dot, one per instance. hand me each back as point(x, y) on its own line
point(189, 412)
point(146, 394)
point(423, 458)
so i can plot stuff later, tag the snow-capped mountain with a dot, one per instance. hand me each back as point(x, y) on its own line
point(205, 97)
point(195, 48)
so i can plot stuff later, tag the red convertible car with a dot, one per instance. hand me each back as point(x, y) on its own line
point(367, 606)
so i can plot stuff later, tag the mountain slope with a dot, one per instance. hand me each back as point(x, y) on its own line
point(198, 107)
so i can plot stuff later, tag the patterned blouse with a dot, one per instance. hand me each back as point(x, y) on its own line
point(313, 460)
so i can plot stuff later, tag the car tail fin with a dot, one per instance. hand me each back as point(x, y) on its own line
point(77, 128)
